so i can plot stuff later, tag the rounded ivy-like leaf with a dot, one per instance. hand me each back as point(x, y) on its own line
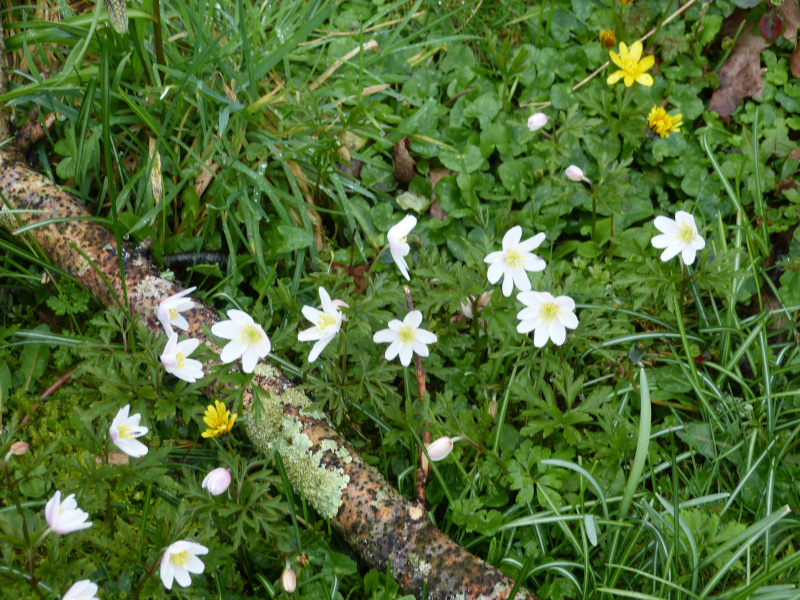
point(117, 15)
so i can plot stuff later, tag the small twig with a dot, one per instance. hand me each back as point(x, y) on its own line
point(49, 391)
point(5, 132)
point(597, 71)
point(422, 472)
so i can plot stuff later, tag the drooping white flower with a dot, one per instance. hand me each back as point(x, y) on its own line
point(514, 260)
point(175, 359)
point(248, 340)
point(180, 559)
point(398, 244)
point(328, 323)
point(468, 309)
point(678, 236)
point(81, 590)
point(405, 337)
point(288, 578)
point(536, 121)
point(546, 316)
point(65, 517)
point(217, 481)
point(441, 448)
point(170, 309)
point(125, 429)
point(575, 174)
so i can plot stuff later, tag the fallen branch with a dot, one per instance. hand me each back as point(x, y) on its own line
point(390, 532)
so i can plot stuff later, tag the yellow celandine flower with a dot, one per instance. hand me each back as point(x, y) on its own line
point(662, 123)
point(631, 67)
point(608, 39)
point(219, 420)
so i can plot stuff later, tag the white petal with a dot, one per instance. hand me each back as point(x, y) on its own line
point(403, 228)
point(384, 336)
point(531, 243)
point(325, 299)
point(540, 335)
point(311, 313)
point(413, 319)
point(666, 225)
point(182, 577)
point(495, 271)
point(393, 350)
point(529, 299)
point(133, 448)
point(568, 320)
point(689, 254)
point(180, 322)
point(662, 241)
point(419, 348)
point(508, 283)
point(565, 303)
point(534, 263)
point(527, 325)
point(226, 329)
point(671, 252)
point(493, 257)
point(512, 238)
point(406, 354)
point(263, 346)
point(395, 325)
point(231, 352)
point(240, 317)
point(557, 333)
point(401, 264)
point(698, 243)
point(167, 571)
point(521, 280)
point(188, 346)
point(249, 360)
point(309, 335)
point(318, 347)
point(195, 565)
point(426, 337)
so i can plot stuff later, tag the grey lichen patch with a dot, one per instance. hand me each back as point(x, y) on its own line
point(323, 485)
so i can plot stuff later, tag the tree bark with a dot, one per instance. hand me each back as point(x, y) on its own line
point(390, 532)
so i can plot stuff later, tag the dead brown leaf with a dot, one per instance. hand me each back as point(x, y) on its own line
point(403, 163)
point(740, 76)
point(115, 458)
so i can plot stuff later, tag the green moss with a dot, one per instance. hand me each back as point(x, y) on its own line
point(323, 486)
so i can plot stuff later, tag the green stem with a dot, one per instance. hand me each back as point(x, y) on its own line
point(642, 445)
point(159, 43)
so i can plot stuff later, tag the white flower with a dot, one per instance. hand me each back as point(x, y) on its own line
point(468, 309)
point(514, 260)
point(65, 517)
point(81, 590)
point(125, 429)
point(288, 579)
point(441, 448)
point(217, 481)
point(404, 338)
point(180, 559)
point(398, 245)
point(536, 121)
point(328, 323)
point(546, 316)
point(678, 236)
point(170, 308)
point(575, 174)
point(248, 340)
point(175, 361)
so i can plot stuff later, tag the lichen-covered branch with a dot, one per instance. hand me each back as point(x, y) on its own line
point(390, 532)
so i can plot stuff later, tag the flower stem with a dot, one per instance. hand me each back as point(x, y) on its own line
point(422, 472)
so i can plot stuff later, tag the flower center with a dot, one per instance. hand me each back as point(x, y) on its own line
point(173, 314)
point(549, 312)
point(661, 123)
point(324, 321)
point(630, 66)
point(685, 233)
point(250, 335)
point(514, 259)
point(180, 360)
point(181, 558)
point(407, 335)
point(125, 432)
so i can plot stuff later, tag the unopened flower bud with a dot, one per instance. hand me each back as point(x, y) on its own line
point(574, 173)
point(441, 448)
point(19, 448)
point(289, 579)
point(536, 121)
point(493, 408)
point(217, 481)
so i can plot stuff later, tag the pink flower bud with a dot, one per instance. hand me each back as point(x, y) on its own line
point(441, 448)
point(19, 448)
point(217, 481)
point(536, 121)
point(289, 580)
point(340, 303)
point(574, 173)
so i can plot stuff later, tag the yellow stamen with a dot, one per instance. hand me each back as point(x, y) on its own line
point(407, 335)
point(325, 320)
point(514, 259)
point(549, 312)
point(181, 558)
point(125, 432)
point(249, 335)
point(685, 233)
point(181, 360)
point(173, 313)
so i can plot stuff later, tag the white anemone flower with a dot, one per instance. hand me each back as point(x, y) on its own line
point(536, 121)
point(180, 559)
point(170, 309)
point(248, 340)
point(125, 429)
point(217, 481)
point(405, 338)
point(175, 361)
point(328, 323)
point(65, 517)
point(398, 244)
point(678, 236)
point(442, 447)
point(547, 317)
point(81, 590)
point(514, 260)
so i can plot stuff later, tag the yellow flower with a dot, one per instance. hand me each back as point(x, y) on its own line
point(608, 39)
point(631, 68)
point(219, 420)
point(661, 123)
